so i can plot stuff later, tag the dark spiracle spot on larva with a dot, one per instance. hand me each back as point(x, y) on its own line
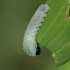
point(38, 50)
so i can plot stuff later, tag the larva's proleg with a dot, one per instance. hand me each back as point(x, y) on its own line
point(29, 44)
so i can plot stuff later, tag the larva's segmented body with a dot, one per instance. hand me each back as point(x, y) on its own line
point(29, 43)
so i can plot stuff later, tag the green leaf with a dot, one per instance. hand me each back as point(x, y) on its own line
point(54, 34)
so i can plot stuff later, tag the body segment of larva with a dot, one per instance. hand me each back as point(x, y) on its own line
point(29, 43)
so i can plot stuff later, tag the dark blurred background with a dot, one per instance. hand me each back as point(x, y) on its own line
point(14, 17)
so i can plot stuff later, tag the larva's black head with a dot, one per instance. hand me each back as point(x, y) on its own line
point(38, 49)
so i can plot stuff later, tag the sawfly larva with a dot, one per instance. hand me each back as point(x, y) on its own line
point(30, 46)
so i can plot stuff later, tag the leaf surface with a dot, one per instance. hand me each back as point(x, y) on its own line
point(54, 33)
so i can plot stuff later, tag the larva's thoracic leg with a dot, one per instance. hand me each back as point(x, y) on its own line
point(29, 44)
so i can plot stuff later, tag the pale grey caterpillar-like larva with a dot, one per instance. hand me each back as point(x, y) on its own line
point(29, 44)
